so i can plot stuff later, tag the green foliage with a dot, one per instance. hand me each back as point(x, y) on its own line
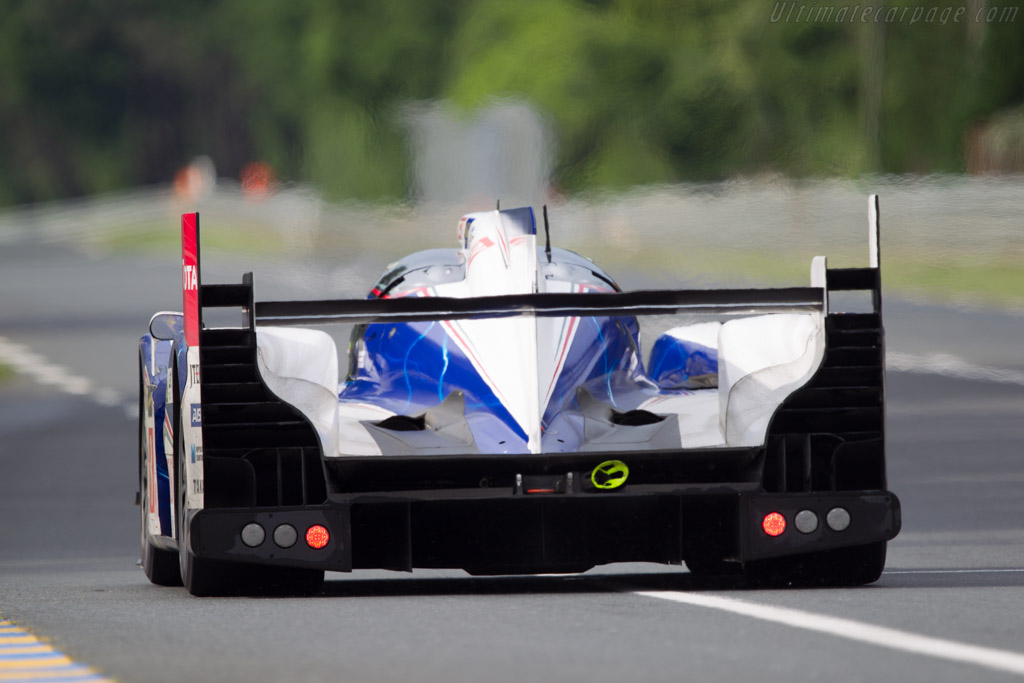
point(114, 93)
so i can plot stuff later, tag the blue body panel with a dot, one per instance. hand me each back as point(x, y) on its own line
point(412, 367)
point(409, 368)
point(156, 353)
point(675, 362)
point(605, 359)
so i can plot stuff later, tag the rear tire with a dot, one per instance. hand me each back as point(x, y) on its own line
point(204, 577)
point(708, 566)
point(200, 577)
point(159, 565)
point(854, 566)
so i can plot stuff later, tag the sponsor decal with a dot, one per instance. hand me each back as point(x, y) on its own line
point(151, 470)
point(190, 276)
point(611, 474)
point(191, 437)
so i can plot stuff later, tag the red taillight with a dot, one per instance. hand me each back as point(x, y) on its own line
point(773, 524)
point(317, 536)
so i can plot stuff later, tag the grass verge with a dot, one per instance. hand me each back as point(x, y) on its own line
point(157, 238)
point(997, 281)
point(6, 373)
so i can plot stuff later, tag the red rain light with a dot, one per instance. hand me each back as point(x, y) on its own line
point(317, 536)
point(773, 524)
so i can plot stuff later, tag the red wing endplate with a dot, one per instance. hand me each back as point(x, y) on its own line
point(190, 276)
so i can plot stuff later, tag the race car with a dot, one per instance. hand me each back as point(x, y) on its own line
point(497, 412)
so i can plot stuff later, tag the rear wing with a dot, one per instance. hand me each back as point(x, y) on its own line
point(248, 434)
point(650, 302)
point(745, 301)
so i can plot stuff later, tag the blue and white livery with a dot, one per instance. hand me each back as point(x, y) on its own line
point(498, 411)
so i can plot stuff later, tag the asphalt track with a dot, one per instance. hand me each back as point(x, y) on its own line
point(948, 608)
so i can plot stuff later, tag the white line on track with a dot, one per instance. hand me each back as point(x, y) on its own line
point(42, 370)
point(951, 366)
point(45, 372)
point(894, 639)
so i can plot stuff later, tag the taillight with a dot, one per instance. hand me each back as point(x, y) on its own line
point(285, 535)
point(253, 535)
point(806, 521)
point(317, 536)
point(773, 523)
point(838, 519)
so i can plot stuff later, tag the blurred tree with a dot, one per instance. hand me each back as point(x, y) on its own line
point(102, 95)
point(646, 90)
point(330, 78)
point(116, 93)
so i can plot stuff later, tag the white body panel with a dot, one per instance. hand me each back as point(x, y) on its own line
point(191, 437)
point(503, 350)
point(761, 360)
point(149, 427)
point(300, 367)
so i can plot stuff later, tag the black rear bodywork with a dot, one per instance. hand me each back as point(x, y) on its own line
point(536, 513)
